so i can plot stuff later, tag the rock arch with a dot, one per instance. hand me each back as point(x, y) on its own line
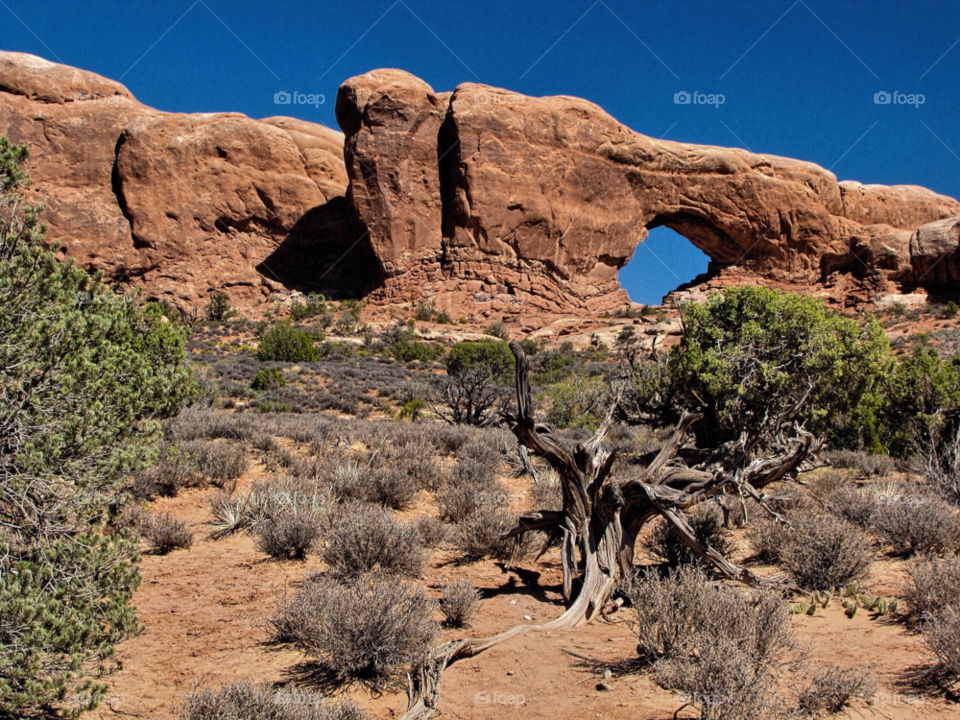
point(547, 198)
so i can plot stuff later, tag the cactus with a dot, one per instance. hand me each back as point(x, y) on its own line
point(812, 610)
point(852, 610)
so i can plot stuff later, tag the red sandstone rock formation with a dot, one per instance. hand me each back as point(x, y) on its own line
point(180, 204)
point(545, 199)
point(480, 198)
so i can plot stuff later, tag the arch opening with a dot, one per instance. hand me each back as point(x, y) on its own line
point(665, 261)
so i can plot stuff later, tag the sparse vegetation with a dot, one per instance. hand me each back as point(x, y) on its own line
point(284, 343)
point(342, 432)
point(246, 701)
point(724, 649)
point(460, 603)
point(364, 538)
point(370, 630)
point(824, 552)
point(289, 535)
point(165, 533)
point(707, 524)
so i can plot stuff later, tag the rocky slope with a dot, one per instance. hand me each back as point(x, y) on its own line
point(480, 199)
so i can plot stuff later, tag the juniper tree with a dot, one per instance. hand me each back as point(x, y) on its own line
point(85, 376)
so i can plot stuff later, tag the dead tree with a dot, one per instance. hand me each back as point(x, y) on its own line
point(601, 518)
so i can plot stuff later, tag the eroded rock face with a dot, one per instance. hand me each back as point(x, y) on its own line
point(480, 199)
point(182, 205)
point(550, 197)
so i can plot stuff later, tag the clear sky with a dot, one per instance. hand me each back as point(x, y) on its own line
point(799, 77)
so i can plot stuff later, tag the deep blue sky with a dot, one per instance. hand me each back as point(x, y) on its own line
point(799, 78)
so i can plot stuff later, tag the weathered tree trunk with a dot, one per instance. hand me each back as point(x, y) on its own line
point(602, 518)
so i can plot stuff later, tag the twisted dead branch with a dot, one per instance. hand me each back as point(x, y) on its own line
point(601, 518)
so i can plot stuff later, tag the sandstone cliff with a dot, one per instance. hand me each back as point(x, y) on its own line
point(479, 199)
point(483, 190)
point(181, 204)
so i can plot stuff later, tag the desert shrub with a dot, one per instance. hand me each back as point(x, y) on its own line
point(198, 424)
point(478, 534)
point(410, 350)
point(315, 305)
point(941, 632)
point(715, 644)
point(367, 537)
point(165, 533)
point(218, 309)
point(939, 461)
point(866, 464)
point(460, 603)
point(577, 403)
point(918, 523)
point(464, 491)
point(176, 469)
point(824, 552)
point(856, 505)
point(266, 501)
point(749, 353)
point(371, 630)
point(555, 365)
point(482, 454)
point(424, 312)
point(547, 494)
point(498, 330)
point(87, 374)
point(350, 479)
point(284, 343)
point(449, 438)
point(432, 530)
point(473, 387)
point(392, 487)
point(768, 539)
point(289, 535)
point(246, 701)
point(411, 410)
point(707, 524)
point(222, 462)
point(935, 585)
point(831, 688)
point(415, 457)
point(268, 379)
